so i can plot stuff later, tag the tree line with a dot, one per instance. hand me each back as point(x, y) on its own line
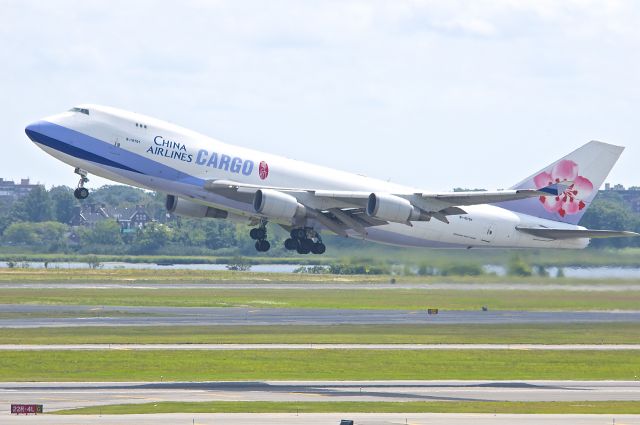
point(39, 222)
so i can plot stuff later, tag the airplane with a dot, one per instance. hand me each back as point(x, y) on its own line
point(206, 178)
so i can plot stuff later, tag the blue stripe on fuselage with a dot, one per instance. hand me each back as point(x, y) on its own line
point(82, 146)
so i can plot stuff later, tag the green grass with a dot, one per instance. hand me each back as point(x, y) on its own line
point(52, 275)
point(163, 276)
point(562, 333)
point(316, 365)
point(404, 299)
point(568, 407)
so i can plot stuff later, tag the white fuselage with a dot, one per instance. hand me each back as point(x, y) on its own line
point(141, 151)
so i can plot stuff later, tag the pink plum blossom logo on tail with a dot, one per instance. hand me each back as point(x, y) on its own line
point(577, 188)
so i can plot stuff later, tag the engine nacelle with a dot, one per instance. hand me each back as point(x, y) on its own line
point(277, 205)
point(180, 206)
point(385, 206)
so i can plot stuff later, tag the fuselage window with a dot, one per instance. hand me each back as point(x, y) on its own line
point(81, 110)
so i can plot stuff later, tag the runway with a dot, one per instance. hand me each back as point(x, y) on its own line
point(264, 347)
point(327, 418)
point(202, 316)
point(67, 395)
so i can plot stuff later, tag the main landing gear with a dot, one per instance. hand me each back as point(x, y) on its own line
point(81, 192)
point(259, 234)
point(304, 241)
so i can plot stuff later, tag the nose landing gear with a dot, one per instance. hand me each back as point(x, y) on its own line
point(259, 234)
point(81, 192)
point(305, 241)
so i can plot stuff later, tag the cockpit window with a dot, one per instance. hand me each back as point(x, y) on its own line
point(81, 110)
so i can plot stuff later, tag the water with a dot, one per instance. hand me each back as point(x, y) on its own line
point(581, 272)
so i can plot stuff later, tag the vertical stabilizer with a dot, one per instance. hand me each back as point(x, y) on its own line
point(578, 176)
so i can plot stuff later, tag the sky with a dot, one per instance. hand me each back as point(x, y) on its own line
point(434, 94)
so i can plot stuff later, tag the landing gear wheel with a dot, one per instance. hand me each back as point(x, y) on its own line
point(305, 240)
point(298, 233)
point(290, 244)
point(81, 193)
point(262, 245)
point(306, 244)
point(303, 250)
point(318, 248)
point(258, 233)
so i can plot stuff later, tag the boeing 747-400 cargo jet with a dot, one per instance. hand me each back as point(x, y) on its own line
point(206, 178)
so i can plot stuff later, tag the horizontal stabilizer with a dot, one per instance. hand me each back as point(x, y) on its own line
point(574, 233)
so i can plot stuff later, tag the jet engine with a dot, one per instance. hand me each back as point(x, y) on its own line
point(180, 206)
point(277, 205)
point(393, 208)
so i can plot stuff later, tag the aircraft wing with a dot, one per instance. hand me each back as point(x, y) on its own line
point(430, 201)
point(547, 233)
point(340, 210)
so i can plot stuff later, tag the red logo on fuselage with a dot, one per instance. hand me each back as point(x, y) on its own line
point(263, 170)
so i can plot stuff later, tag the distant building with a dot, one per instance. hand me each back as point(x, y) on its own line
point(11, 192)
point(129, 219)
point(88, 215)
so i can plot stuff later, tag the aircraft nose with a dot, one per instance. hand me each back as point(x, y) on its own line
point(33, 130)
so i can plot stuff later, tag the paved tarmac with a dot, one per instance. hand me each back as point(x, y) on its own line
point(326, 419)
point(199, 316)
point(263, 347)
point(67, 395)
